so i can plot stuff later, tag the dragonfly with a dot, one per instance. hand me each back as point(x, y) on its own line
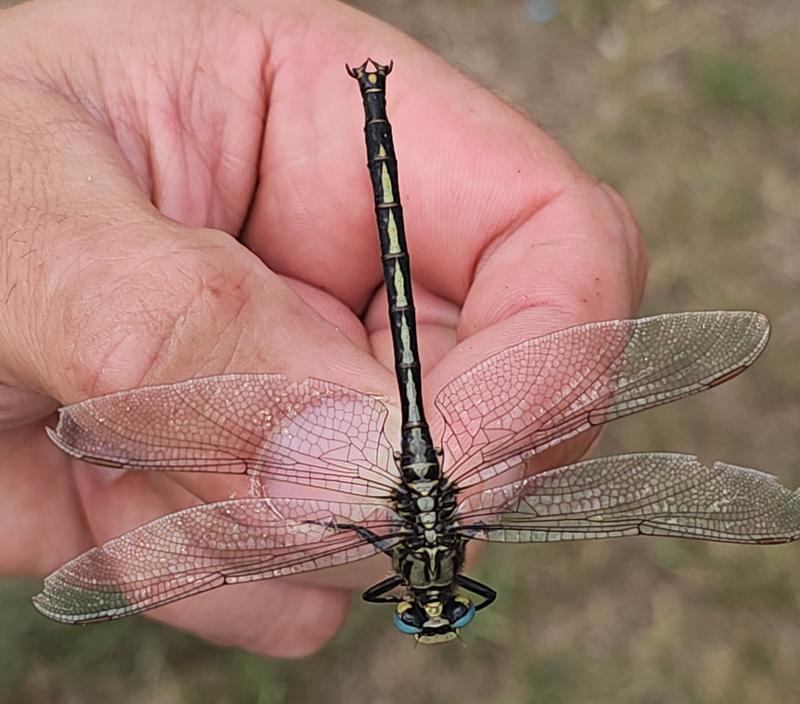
point(422, 504)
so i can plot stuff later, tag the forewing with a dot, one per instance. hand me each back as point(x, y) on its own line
point(314, 433)
point(542, 391)
point(207, 546)
point(641, 494)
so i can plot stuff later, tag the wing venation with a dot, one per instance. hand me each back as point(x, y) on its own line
point(542, 391)
point(206, 546)
point(314, 433)
point(639, 494)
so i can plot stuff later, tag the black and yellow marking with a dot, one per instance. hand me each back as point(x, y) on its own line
point(418, 456)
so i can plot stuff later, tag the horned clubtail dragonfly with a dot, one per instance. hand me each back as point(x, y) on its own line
point(420, 505)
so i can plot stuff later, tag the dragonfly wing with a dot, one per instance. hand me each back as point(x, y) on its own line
point(207, 546)
point(640, 494)
point(542, 391)
point(314, 433)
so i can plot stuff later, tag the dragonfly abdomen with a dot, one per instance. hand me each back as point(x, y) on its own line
point(418, 457)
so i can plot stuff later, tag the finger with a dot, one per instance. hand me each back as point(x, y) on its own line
point(155, 302)
point(108, 289)
point(40, 520)
point(518, 223)
point(576, 260)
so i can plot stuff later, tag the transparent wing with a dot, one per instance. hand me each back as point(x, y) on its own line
point(314, 433)
point(542, 391)
point(205, 547)
point(641, 494)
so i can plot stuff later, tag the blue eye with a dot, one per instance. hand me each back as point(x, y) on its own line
point(404, 627)
point(466, 618)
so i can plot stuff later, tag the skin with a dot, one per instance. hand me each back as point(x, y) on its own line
point(184, 193)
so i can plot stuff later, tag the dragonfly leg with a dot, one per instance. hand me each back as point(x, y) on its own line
point(367, 536)
point(488, 594)
point(364, 533)
point(379, 593)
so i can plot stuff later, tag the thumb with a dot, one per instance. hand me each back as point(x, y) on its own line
point(102, 292)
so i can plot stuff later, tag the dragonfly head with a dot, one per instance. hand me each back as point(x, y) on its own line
point(434, 621)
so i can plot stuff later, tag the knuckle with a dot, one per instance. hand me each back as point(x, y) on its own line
point(624, 226)
point(163, 313)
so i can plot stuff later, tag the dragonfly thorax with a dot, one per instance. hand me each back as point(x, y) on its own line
point(432, 553)
point(430, 566)
point(427, 508)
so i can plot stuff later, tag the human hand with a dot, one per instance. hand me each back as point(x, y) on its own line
point(138, 135)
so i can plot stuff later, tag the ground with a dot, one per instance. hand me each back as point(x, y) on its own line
point(691, 110)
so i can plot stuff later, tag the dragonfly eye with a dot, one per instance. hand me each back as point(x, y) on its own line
point(407, 619)
point(461, 611)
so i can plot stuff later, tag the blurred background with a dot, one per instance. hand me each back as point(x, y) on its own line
point(691, 109)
